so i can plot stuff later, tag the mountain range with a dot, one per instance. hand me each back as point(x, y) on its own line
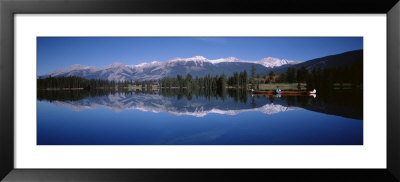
point(200, 66)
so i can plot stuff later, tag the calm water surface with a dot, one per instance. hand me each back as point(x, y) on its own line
point(186, 118)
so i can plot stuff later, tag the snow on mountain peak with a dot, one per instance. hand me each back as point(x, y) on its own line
point(73, 68)
point(222, 60)
point(267, 62)
point(114, 65)
point(79, 67)
point(195, 58)
point(145, 64)
point(274, 62)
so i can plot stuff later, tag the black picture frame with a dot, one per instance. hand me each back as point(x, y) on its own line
point(8, 8)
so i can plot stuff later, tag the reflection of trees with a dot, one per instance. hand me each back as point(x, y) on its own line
point(303, 101)
point(291, 101)
point(71, 95)
point(271, 98)
point(253, 102)
point(239, 95)
point(343, 103)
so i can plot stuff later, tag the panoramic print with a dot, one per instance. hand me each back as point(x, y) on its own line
point(199, 91)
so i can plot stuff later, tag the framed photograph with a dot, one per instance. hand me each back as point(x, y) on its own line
point(207, 91)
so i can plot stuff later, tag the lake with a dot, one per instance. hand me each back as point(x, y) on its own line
point(182, 117)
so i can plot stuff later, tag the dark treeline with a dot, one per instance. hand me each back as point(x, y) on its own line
point(208, 86)
point(208, 83)
point(72, 82)
point(326, 78)
point(323, 79)
point(78, 82)
point(217, 82)
point(317, 78)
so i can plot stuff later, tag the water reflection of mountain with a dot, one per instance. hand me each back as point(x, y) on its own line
point(156, 103)
point(200, 105)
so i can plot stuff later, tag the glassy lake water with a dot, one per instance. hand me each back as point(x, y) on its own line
point(173, 117)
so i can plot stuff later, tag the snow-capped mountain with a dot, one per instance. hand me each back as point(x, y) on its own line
point(271, 62)
point(196, 66)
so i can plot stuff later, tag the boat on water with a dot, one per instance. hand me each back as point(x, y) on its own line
point(280, 92)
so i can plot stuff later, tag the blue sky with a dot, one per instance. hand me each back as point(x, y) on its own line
point(59, 52)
